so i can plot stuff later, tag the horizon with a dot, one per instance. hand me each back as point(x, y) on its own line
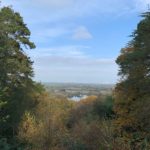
point(77, 83)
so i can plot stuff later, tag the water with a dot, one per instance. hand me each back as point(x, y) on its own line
point(78, 98)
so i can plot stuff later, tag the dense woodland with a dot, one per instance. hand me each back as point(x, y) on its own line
point(32, 119)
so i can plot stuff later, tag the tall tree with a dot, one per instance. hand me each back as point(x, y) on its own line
point(132, 104)
point(15, 70)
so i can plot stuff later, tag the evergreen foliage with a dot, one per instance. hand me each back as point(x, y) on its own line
point(132, 94)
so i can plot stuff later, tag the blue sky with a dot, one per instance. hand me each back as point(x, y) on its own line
point(78, 40)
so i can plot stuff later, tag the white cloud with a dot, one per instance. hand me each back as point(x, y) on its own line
point(54, 10)
point(75, 69)
point(141, 5)
point(54, 4)
point(72, 64)
point(52, 32)
point(82, 33)
point(73, 51)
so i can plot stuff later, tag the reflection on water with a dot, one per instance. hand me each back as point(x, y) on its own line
point(78, 98)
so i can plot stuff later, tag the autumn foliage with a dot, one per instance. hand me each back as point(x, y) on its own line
point(33, 119)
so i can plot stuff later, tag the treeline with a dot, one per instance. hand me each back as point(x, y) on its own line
point(32, 119)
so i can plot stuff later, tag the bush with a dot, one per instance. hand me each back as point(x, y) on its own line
point(103, 107)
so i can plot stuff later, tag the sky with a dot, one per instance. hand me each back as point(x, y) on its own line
point(78, 41)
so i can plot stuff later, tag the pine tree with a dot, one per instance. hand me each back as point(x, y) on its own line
point(16, 71)
point(132, 104)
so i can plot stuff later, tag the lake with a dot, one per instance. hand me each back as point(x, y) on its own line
point(78, 98)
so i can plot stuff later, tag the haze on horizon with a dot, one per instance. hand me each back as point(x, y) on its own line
point(78, 40)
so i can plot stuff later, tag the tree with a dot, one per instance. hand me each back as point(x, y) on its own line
point(16, 85)
point(45, 128)
point(132, 94)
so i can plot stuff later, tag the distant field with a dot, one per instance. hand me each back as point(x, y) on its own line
point(78, 89)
